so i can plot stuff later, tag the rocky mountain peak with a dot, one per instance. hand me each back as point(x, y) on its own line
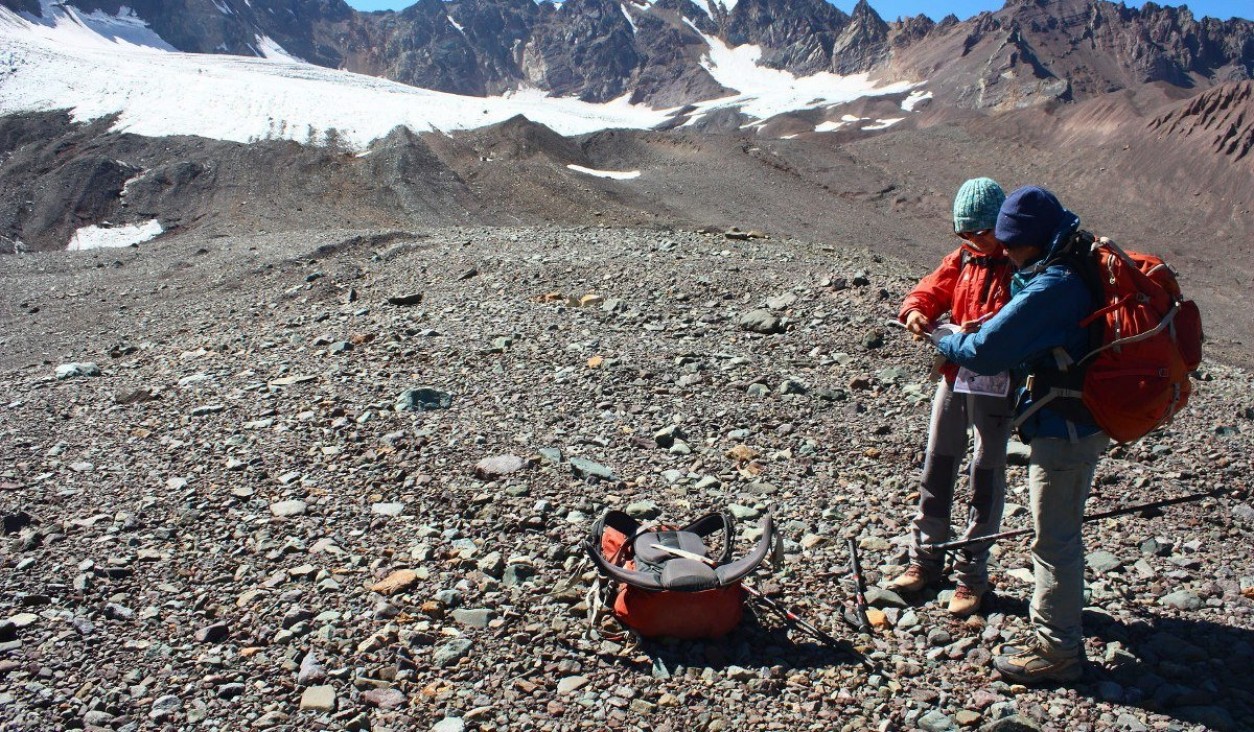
point(797, 35)
point(864, 42)
point(588, 50)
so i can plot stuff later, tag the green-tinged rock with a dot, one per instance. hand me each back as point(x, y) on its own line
point(1013, 723)
point(936, 721)
point(451, 652)
point(585, 468)
point(762, 321)
point(473, 618)
point(75, 370)
point(423, 399)
point(517, 574)
point(1104, 562)
point(880, 597)
point(1181, 600)
point(643, 510)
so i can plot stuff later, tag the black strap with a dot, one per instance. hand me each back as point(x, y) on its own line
point(724, 572)
point(712, 522)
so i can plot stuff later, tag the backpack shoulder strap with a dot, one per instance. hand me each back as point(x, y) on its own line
point(620, 523)
point(711, 523)
point(739, 569)
point(630, 528)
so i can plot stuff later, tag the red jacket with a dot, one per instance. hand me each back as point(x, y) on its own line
point(968, 285)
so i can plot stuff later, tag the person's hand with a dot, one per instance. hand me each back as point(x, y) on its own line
point(972, 326)
point(917, 323)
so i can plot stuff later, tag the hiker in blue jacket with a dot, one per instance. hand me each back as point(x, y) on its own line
point(1037, 335)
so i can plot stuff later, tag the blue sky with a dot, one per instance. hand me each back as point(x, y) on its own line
point(891, 9)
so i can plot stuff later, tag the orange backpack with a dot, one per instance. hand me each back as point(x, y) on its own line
point(663, 581)
point(1146, 340)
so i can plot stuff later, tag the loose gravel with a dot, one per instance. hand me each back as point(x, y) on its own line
point(339, 480)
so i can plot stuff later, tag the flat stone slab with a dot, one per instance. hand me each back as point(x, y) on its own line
point(398, 581)
point(498, 466)
point(318, 698)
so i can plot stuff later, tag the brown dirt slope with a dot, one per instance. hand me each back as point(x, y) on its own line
point(1222, 119)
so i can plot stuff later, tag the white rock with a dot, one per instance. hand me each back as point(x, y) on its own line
point(287, 508)
point(319, 698)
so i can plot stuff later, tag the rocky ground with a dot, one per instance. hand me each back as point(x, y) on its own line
point(267, 504)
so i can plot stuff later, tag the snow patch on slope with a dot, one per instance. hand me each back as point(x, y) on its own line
point(627, 15)
point(67, 25)
point(915, 99)
point(98, 237)
point(833, 125)
point(883, 124)
point(848, 119)
point(267, 47)
point(614, 174)
point(766, 92)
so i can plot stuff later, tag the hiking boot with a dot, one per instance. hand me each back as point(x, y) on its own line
point(1034, 663)
point(965, 601)
point(913, 579)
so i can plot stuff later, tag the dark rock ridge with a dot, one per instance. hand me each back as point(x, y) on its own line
point(47, 194)
point(864, 43)
point(1028, 52)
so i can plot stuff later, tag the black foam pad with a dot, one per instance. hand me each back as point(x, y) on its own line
point(682, 540)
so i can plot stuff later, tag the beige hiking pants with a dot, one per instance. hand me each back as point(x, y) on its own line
point(1060, 475)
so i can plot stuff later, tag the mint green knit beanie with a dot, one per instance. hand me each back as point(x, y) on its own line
point(977, 204)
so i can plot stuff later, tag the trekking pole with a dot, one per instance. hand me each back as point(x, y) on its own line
point(817, 633)
point(960, 543)
point(859, 586)
point(757, 594)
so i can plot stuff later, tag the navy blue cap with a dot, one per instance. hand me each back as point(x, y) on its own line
point(1030, 217)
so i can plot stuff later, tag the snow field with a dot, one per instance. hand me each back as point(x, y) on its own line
point(97, 65)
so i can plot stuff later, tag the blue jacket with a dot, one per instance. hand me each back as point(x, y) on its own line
point(1043, 314)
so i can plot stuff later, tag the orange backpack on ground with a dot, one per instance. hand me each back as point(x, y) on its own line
point(663, 580)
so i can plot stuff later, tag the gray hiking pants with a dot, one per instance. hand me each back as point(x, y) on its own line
point(1060, 475)
point(952, 413)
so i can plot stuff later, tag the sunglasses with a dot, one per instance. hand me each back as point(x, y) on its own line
point(969, 235)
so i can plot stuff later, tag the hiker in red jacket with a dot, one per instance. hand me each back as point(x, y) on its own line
point(971, 284)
